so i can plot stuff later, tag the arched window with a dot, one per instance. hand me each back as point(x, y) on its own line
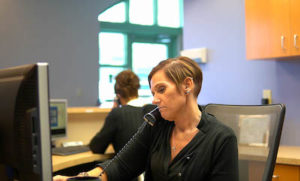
point(137, 34)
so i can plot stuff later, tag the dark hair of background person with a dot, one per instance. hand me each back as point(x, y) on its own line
point(177, 69)
point(127, 84)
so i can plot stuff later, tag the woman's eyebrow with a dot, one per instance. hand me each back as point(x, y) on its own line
point(162, 83)
point(157, 85)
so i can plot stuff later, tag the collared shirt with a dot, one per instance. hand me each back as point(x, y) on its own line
point(138, 102)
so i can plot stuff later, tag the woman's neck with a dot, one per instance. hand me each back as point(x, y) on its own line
point(188, 118)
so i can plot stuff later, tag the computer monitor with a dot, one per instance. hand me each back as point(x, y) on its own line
point(25, 146)
point(58, 118)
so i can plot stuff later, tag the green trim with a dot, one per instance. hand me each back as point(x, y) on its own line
point(155, 10)
point(171, 37)
point(116, 66)
point(126, 11)
point(129, 51)
point(181, 9)
point(138, 29)
point(126, 54)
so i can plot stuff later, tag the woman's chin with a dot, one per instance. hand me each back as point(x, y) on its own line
point(166, 116)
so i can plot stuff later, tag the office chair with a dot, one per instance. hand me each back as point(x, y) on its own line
point(258, 131)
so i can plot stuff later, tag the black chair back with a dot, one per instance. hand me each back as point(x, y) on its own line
point(258, 131)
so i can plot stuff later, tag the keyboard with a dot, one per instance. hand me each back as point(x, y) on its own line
point(70, 150)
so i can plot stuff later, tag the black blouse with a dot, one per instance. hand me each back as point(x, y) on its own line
point(211, 155)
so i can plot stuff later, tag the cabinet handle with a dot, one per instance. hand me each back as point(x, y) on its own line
point(295, 41)
point(275, 176)
point(282, 42)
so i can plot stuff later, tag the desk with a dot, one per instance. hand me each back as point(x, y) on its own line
point(289, 155)
point(62, 162)
point(89, 120)
point(287, 166)
point(84, 120)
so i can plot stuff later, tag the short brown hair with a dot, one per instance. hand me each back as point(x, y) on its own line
point(127, 84)
point(179, 68)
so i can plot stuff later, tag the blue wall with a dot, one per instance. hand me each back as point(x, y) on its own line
point(228, 77)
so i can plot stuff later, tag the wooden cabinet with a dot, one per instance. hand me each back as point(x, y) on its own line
point(272, 28)
point(295, 26)
point(286, 173)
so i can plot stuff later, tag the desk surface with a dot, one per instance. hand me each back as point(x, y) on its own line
point(88, 110)
point(62, 162)
point(289, 155)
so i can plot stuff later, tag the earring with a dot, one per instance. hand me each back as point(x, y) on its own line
point(187, 92)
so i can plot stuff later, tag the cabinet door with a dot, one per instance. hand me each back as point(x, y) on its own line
point(286, 173)
point(267, 28)
point(295, 27)
point(257, 29)
point(280, 28)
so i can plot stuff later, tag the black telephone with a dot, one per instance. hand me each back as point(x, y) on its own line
point(119, 102)
point(149, 118)
point(152, 116)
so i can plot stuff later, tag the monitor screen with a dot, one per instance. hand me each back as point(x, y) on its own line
point(25, 140)
point(58, 118)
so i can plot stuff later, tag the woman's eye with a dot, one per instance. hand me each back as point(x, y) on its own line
point(161, 90)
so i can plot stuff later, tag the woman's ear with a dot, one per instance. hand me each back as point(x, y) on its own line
point(188, 82)
point(187, 85)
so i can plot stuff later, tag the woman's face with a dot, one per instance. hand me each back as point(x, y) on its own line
point(166, 96)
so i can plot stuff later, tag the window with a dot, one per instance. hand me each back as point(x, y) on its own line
point(137, 34)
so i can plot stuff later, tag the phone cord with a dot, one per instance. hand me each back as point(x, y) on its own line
point(124, 147)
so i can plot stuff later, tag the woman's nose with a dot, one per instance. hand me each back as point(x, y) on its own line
point(155, 100)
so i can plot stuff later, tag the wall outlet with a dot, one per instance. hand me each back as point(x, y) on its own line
point(267, 94)
point(78, 92)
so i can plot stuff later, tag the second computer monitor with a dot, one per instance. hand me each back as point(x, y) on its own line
point(58, 118)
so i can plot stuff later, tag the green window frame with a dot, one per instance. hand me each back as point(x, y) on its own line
point(169, 36)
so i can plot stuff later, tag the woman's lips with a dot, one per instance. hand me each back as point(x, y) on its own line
point(161, 108)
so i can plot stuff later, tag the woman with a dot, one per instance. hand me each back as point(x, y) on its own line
point(185, 144)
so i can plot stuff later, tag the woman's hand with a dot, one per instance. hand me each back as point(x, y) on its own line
point(60, 178)
point(95, 172)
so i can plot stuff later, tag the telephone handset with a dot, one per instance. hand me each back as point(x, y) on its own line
point(152, 116)
point(117, 102)
point(149, 118)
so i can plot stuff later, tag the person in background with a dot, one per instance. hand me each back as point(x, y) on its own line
point(126, 116)
point(184, 143)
